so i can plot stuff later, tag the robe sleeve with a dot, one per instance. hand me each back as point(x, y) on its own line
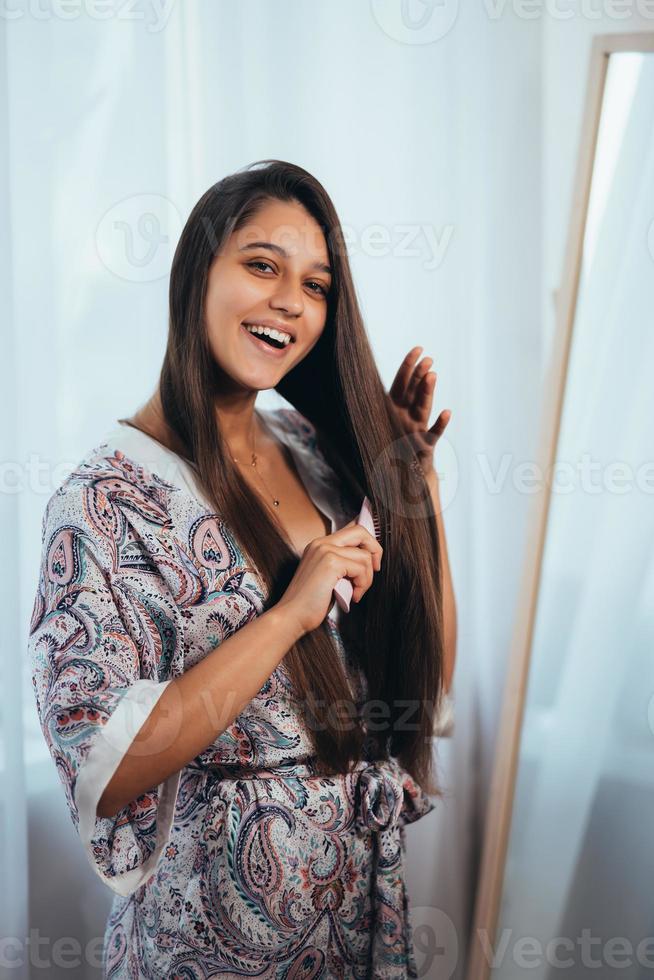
point(94, 690)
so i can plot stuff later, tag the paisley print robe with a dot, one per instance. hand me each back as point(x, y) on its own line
point(244, 864)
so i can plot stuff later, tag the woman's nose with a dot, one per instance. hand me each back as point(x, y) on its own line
point(288, 297)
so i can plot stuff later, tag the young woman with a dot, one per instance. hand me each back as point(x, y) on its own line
point(239, 755)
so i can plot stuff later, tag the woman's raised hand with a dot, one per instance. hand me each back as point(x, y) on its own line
point(412, 396)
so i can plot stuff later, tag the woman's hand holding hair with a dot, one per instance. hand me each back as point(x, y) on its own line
point(350, 552)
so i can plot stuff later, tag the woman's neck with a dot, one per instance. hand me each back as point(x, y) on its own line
point(150, 420)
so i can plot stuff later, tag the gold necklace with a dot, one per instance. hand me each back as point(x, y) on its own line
point(254, 464)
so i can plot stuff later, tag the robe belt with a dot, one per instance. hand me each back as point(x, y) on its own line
point(385, 795)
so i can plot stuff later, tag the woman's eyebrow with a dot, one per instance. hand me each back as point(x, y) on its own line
point(280, 251)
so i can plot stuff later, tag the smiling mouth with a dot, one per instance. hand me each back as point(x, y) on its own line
point(267, 345)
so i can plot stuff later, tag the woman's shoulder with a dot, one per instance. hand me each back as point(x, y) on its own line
point(105, 483)
point(123, 518)
point(111, 468)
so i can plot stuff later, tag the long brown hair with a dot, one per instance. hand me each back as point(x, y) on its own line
point(395, 633)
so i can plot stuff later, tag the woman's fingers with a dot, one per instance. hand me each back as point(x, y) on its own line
point(416, 378)
point(356, 540)
point(424, 397)
point(355, 564)
point(399, 388)
point(357, 535)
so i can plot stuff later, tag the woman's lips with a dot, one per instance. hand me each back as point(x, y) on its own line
point(262, 346)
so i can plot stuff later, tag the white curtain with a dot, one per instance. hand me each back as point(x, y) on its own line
point(13, 799)
point(427, 137)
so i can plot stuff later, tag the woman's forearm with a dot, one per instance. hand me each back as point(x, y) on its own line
point(449, 602)
point(198, 706)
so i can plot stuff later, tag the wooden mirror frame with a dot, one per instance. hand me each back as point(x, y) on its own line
point(502, 789)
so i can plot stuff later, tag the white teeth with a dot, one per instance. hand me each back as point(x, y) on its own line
point(283, 338)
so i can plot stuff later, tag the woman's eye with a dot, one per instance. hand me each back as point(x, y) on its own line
point(257, 262)
point(260, 262)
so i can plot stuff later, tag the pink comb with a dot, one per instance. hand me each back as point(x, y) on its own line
point(343, 589)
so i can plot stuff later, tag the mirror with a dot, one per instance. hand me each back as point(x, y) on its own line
point(568, 865)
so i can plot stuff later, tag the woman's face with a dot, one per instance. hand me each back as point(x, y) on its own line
point(272, 272)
